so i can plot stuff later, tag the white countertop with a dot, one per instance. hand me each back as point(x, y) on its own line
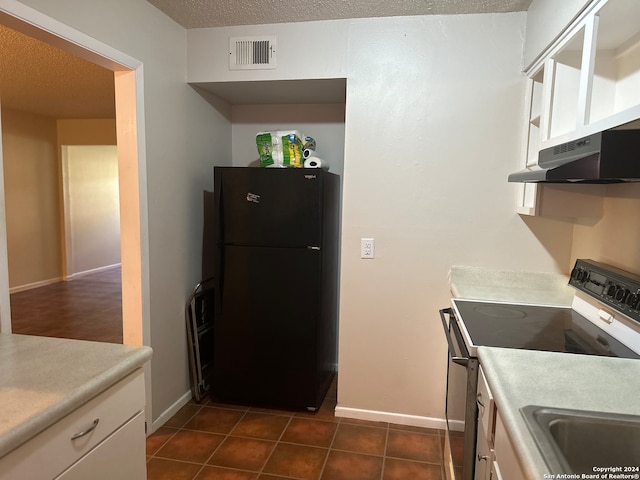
point(521, 377)
point(478, 283)
point(44, 379)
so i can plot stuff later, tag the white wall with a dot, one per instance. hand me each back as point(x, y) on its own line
point(91, 206)
point(440, 99)
point(432, 129)
point(325, 123)
point(184, 137)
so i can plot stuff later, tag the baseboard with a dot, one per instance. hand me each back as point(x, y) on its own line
point(170, 412)
point(93, 270)
point(51, 281)
point(389, 417)
point(29, 286)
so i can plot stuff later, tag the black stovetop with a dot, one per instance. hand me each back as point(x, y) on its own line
point(534, 327)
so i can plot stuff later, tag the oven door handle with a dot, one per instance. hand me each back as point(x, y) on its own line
point(464, 361)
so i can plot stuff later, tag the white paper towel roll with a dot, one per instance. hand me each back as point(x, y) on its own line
point(308, 153)
point(315, 162)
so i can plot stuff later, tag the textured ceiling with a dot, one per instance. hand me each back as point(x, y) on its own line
point(220, 13)
point(38, 78)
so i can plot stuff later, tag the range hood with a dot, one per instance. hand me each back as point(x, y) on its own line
point(610, 156)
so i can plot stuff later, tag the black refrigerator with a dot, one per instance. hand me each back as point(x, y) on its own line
point(276, 235)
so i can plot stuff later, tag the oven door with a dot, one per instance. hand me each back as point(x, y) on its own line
point(461, 411)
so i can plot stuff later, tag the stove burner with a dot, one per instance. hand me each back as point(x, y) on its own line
point(499, 311)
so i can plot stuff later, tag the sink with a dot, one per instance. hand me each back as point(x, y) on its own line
point(576, 441)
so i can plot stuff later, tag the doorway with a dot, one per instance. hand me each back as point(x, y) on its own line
point(127, 78)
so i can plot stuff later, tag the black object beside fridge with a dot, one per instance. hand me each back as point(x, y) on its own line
point(276, 281)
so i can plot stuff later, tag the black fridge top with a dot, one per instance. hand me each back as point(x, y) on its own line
point(274, 207)
point(535, 327)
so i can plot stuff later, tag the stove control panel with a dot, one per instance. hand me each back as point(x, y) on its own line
point(610, 285)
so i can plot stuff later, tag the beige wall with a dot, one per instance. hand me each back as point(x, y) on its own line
point(614, 239)
point(94, 131)
point(32, 198)
point(33, 189)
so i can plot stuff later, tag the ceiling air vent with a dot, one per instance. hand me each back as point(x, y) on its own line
point(252, 53)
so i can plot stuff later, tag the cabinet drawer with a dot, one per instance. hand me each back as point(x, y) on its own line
point(53, 450)
point(120, 456)
point(486, 407)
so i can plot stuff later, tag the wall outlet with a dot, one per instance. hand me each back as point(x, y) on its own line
point(367, 248)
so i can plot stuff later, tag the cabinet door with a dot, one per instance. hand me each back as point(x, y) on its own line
point(121, 455)
point(616, 72)
point(486, 408)
point(505, 455)
point(484, 455)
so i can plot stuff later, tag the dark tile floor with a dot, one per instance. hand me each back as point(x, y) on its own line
point(86, 308)
point(212, 441)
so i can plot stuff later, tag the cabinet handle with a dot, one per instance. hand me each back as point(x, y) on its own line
point(87, 431)
point(482, 457)
point(479, 401)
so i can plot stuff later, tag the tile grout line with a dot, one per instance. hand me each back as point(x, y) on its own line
point(329, 449)
point(177, 429)
point(226, 436)
point(182, 429)
point(384, 452)
point(261, 471)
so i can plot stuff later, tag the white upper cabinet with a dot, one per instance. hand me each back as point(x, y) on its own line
point(564, 74)
point(586, 81)
point(590, 76)
point(616, 76)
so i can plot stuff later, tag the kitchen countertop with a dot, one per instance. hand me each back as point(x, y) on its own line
point(520, 377)
point(478, 283)
point(44, 379)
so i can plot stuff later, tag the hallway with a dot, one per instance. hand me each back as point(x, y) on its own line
point(86, 308)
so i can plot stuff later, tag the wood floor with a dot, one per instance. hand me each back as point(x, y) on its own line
point(86, 308)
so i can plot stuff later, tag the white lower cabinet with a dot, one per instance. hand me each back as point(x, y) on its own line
point(484, 455)
point(495, 456)
point(485, 433)
point(102, 439)
point(506, 463)
point(122, 455)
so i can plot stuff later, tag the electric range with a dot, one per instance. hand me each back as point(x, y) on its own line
point(603, 320)
point(533, 327)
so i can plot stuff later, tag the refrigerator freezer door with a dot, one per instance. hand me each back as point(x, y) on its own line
point(265, 338)
point(269, 206)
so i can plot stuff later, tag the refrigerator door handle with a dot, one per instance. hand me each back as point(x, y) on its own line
point(311, 247)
